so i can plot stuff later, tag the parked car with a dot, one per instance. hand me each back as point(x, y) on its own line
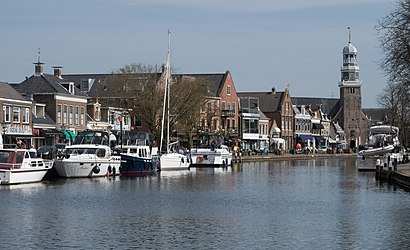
point(47, 152)
point(322, 150)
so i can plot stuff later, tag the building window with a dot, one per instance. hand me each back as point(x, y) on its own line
point(234, 107)
point(229, 106)
point(26, 115)
point(223, 105)
point(228, 90)
point(65, 114)
point(71, 114)
point(77, 110)
point(59, 114)
point(6, 113)
point(16, 114)
point(84, 85)
point(82, 116)
point(233, 124)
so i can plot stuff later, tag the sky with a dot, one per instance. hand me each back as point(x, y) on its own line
point(263, 43)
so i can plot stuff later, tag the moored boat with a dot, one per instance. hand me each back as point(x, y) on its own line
point(87, 160)
point(211, 157)
point(169, 160)
point(21, 166)
point(136, 161)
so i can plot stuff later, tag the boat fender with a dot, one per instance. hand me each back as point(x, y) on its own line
point(363, 157)
point(199, 159)
point(109, 169)
point(96, 170)
point(114, 171)
point(182, 159)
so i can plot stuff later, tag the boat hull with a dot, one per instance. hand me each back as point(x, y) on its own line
point(366, 164)
point(136, 166)
point(71, 168)
point(377, 151)
point(210, 158)
point(173, 161)
point(19, 176)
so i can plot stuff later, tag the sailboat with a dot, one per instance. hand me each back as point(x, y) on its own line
point(169, 160)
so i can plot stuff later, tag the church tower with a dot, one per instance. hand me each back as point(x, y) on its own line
point(350, 116)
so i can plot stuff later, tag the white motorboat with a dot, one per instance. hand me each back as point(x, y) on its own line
point(169, 160)
point(21, 166)
point(383, 145)
point(383, 139)
point(211, 157)
point(87, 160)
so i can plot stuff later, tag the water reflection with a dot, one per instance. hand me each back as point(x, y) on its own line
point(317, 203)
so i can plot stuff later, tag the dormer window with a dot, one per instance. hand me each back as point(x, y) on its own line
point(71, 88)
point(84, 85)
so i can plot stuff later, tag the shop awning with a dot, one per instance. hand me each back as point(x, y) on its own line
point(69, 135)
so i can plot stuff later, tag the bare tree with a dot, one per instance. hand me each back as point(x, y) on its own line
point(136, 89)
point(394, 36)
point(139, 88)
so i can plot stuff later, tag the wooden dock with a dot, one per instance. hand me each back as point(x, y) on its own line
point(399, 174)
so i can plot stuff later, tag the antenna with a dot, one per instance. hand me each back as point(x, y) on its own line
point(350, 35)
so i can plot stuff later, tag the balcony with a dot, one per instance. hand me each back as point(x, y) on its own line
point(228, 113)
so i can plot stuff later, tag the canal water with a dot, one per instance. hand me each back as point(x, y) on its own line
point(304, 204)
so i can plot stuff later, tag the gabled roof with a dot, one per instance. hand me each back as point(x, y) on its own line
point(216, 81)
point(268, 101)
point(101, 86)
point(326, 104)
point(375, 114)
point(45, 84)
point(8, 92)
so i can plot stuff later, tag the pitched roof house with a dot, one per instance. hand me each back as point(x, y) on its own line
point(15, 116)
point(276, 106)
point(65, 103)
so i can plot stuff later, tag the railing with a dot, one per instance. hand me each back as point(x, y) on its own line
point(228, 113)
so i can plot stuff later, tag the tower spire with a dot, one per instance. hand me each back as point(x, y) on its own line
point(350, 35)
point(38, 68)
point(38, 57)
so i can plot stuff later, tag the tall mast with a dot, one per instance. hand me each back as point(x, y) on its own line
point(168, 85)
point(166, 96)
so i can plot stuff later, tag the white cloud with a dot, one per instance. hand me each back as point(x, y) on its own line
point(257, 5)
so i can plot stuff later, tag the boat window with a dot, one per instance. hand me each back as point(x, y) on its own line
point(19, 158)
point(4, 157)
point(100, 152)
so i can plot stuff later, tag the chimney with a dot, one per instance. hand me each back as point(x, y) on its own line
point(57, 71)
